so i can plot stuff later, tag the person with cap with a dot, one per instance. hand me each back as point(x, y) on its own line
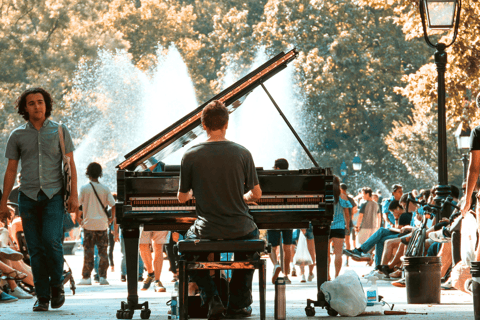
point(388, 218)
point(286, 236)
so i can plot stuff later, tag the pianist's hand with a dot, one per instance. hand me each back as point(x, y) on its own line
point(251, 203)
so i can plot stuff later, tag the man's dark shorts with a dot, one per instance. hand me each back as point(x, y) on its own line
point(273, 237)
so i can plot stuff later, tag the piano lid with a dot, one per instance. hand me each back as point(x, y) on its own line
point(189, 127)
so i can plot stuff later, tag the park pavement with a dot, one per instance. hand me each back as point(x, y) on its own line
point(102, 302)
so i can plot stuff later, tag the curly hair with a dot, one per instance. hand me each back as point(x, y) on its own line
point(21, 103)
point(215, 115)
point(94, 170)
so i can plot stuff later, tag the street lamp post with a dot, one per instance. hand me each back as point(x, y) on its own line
point(441, 15)
point(463, 144)
point(357, 166)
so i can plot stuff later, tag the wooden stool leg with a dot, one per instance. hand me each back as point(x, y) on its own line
point(182, 290)
point(262, 287)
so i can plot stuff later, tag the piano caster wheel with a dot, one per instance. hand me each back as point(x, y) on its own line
point(310, 311)
point(145, 313)
point(127, 314)
point(331, 312)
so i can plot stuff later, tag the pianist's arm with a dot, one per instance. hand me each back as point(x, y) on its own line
point(253, 195)
point(184, 197)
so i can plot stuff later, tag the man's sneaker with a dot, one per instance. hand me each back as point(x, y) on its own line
point(371, 273)
point(448, 285)
point(20, 293)
point(287, 281)
point(400, 283)
point(103, 281)
point(123, 278)
point(40, 305)
point(158, 286)
point(85, 282)
point(356, 255)
point(140, 278)
point(239, 313)
point(58, 297)
point(396, 274)
point(148, 281)
point(380, 275)
point(6, 298)
point(438, 236)
point(276, 272)
point(303, 278)
point(96, 278)
point(310, 277)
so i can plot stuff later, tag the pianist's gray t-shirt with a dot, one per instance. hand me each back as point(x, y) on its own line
point(219, 173)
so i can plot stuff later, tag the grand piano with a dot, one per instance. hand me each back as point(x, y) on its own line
point(291, 198)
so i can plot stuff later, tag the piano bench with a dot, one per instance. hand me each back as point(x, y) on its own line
point(193, 247)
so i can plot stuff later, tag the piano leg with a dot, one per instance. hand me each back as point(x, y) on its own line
point(131, 237)
point(321, 235)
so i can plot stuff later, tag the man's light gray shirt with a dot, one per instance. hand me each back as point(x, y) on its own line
point(41, 157)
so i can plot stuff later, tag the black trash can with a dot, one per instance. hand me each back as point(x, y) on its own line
point(475, 271)
point(423, 279)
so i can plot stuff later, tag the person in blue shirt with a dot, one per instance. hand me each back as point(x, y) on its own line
point(387, 215)
point(341, 219)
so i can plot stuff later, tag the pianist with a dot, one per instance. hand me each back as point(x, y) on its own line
point(218, 172)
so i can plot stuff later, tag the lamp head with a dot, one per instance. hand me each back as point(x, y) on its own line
point(357, 163)
point(441, 13)
point(462, 134)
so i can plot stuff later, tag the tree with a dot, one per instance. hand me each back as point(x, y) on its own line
point(351, 59)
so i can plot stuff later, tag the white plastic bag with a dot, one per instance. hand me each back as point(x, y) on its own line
point(345, 294)
point(302, 256)
point(468, 236)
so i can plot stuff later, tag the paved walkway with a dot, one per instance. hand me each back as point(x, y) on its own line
point(101, 302)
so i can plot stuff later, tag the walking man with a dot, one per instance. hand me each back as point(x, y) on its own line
point(37, 145)
point(94, 198)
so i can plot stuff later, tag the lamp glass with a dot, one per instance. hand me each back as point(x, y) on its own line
point(357, 166)
point(464, 142)
point(440, 13)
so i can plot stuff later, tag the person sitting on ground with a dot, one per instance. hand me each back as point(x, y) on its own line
point(94, 198)
point(218, 172)
point(378, 239)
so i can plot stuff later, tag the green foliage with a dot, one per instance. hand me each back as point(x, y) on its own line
point(362, 70)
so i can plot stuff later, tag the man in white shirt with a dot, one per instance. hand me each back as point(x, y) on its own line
point(94, 198)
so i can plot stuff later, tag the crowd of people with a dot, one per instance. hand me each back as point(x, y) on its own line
point(365, 227)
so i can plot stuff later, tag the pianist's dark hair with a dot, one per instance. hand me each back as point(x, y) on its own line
point(94, 170)
point(336, 189)
point(21, 102)
point(215, 115)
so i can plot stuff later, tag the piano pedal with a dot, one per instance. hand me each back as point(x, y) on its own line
point(126, 311)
